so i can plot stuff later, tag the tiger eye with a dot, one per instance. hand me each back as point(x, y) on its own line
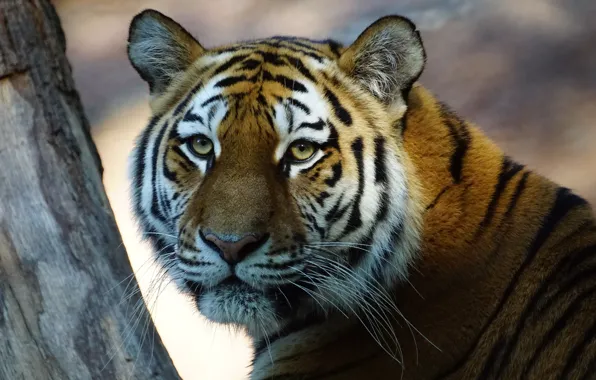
point(302, 150)
point(201, 146)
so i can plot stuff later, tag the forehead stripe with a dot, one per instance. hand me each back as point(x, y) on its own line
point(231, 62)
point(299, 104)
point(318, 126)
point(290, 84)
point(296, 49)
point(191, 117)
point(230, 81)
point(211, 100)
point(340, 112)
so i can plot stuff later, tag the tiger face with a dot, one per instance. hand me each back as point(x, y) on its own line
point(271, 180)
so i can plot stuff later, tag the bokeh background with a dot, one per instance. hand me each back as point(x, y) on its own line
point(524, 70)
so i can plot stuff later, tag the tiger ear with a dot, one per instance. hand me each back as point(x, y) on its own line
point(159, 49)
point(387, 58)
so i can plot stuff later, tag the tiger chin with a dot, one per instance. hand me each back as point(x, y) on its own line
point(319, 197)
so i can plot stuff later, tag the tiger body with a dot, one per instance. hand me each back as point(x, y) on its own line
point(406, 245)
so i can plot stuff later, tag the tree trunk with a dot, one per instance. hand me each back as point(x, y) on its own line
point(63, 270)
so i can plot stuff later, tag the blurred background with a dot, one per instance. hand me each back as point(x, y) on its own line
point(523, 70)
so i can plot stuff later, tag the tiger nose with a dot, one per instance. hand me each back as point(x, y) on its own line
point(234, 250)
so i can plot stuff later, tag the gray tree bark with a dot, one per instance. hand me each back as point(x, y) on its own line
point(63, 270)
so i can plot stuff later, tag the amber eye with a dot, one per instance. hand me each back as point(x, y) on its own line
point(201, 146)
point(301, 150)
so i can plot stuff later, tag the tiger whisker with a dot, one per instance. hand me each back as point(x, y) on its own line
point(364, 302)
point(373, 333)
point(401, 314)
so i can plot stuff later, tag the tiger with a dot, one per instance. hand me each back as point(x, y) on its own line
point(317, 196)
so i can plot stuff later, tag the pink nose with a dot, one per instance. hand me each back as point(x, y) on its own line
point(234, 251)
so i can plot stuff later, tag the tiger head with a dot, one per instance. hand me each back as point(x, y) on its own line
point(271, 178)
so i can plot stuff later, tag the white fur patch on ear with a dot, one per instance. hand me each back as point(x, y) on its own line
point(159, 48)
point(387, 58)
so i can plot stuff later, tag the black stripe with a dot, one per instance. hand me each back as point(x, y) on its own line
point(318, 163)
point(321, 231)
point(289, 117)
point(271, 58)
point(571, 261)
point(321, 198)
point(270, 120)
point(231, 62)
point(317, 126)
point(286, 60)
point(508, 170)
point(340, 112)
point(558, 326)
point(335, 47)
point(154, 196)
point(262, 100)
point(158, 244)
point(297, 63)
point(211, 114)
point(461, 137)
point(334, 209)
point(355, 255)
point(563, 203)
point(333, 139)
point(296, 42)
point(182, 105)
point(191, 117)
point(284, 265)
point(497, 349)
point(183, 156)
point(285, 81)
point(577, 351)
point(211, 100)
point(245, 45)
point(521, 185)
point(384, 262)
point(355, 221)
point(383, 206)
point(170, 175)
point(380, 168)
point(319, 58)
point(230, 81)
point(299, 104)
point(437, 198)
point(337, 172)
point(250, 64)
point(141, 152)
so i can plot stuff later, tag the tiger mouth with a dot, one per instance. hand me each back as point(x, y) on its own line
point(197, 289)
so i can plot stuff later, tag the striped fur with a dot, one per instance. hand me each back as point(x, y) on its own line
point(409, 246)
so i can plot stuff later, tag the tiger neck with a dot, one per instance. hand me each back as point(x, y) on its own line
point(474, 235)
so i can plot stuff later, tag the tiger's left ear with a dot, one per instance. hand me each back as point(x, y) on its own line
point(160, 49)
point(387, 58)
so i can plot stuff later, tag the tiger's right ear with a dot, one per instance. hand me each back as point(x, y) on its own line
point(159, 49)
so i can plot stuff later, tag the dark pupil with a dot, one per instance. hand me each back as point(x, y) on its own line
point(202, 142)
point(302, 147)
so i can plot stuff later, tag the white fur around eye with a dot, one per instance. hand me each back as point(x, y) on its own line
point(296, 167)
